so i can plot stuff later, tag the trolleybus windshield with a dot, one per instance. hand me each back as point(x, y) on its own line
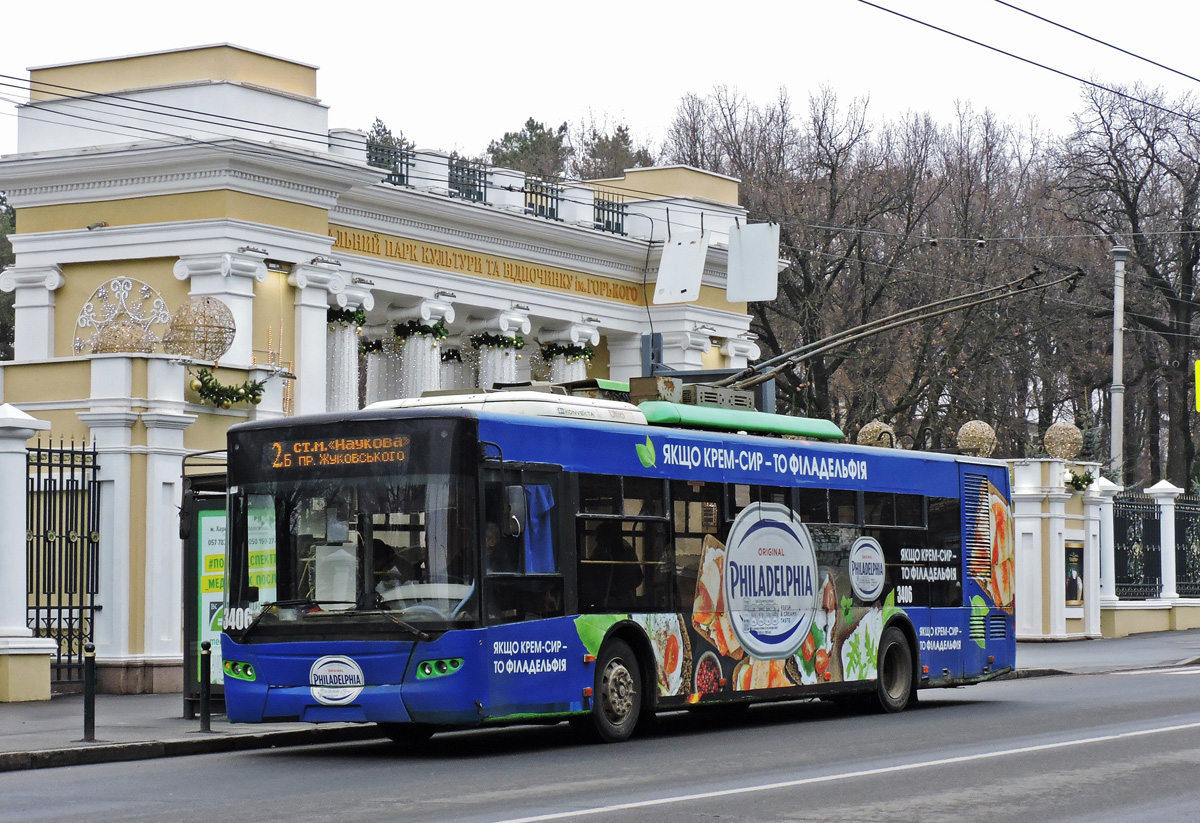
point(371, 532)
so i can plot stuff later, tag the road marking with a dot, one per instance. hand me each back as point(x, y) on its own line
point(1179, 670)
point(808, 781)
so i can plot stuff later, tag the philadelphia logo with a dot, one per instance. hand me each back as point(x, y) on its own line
point(867, 571)
point(335, 680)
point(770, 580)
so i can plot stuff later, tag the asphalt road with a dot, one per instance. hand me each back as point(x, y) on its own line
point(1096, 748)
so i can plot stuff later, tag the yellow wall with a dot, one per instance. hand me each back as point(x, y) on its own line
point(672, 181)
point(82, 280)
point(216, 63)
point(169, 208)
point(1124, 622)
point(274, 316)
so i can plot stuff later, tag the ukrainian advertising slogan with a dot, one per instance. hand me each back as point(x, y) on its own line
point(485, 265)
point(528, 656)
point(752, 460)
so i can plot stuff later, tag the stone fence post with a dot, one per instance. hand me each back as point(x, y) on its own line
point(24, 659)
point(1164, 494)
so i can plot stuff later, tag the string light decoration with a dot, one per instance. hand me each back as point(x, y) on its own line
point(1063, 440)
point(202, 328)
point(877, 433)
point(212, 390)
point(121, 316)
point(976, 438)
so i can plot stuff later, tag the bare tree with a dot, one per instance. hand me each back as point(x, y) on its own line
point(1132, 174)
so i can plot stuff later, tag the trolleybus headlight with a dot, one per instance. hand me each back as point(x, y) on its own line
point(438, 668)
point(238, 670)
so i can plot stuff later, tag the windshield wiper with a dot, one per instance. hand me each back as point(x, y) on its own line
point(404, 624)
point(287, 604)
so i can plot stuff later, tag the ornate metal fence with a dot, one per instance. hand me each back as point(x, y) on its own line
point(1187, 545)
point(1138, 566)
point(62, 510)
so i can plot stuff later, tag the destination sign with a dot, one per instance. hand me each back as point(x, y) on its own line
point(335, 451)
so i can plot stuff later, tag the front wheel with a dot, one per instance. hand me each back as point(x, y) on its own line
point(617, 696)
point(895, 676)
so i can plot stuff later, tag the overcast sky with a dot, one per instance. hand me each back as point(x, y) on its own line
point(456, 74)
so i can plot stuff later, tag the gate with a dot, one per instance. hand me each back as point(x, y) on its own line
point(1187, 545)
point(62, 510)
point(1137, 549)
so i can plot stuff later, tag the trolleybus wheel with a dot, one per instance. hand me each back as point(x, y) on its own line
point(617, 700)
point(895, 675)
point(407, 733)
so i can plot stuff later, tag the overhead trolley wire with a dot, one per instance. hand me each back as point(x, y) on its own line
point(1097, 40)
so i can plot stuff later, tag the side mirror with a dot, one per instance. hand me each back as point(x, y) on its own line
point(515, 513)
point(186, 508)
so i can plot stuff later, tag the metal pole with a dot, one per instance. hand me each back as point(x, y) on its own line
point(89, 693)
point(206, 686)
point(1117, 398)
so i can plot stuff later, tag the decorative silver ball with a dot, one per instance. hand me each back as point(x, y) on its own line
point(877, 433)
point(976, 438)
point(1063, 440)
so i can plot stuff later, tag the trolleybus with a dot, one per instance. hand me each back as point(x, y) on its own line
point(523, 557)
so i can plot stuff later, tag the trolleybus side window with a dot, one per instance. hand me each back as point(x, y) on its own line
point(524, 571)
point(697, 520)
point(626, 562)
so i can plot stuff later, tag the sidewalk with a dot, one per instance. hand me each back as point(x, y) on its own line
point(139, 727)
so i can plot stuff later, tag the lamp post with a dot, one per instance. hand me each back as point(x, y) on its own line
point(1117, 398)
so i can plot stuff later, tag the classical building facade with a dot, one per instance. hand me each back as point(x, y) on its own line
point(192, 210)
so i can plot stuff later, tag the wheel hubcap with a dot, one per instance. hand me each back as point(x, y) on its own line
point(617, 692)
point(895, 674)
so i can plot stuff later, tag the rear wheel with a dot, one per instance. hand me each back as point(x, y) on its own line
point(895, 676)
point(617, 696)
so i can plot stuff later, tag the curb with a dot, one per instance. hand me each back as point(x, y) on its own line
point(118, 752)
point(1022, 674)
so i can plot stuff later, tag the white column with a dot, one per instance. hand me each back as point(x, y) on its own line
point(1164, 494)
point(1108, 547)
point(271, 406)
point(33, 308)
point(499, 364)
point(563, 370)
point(111, 420)
point(314, 285)
point(1027, 495)
point(165, 421)
point(16, 640)
point(421, 355)
point(1092, 542)
point(376, 386)
point(624, 356)
point(229, 278)
point(685, 350)
point(342, 363)
point(457, 372)
point(1057, 496)
point(739, 351)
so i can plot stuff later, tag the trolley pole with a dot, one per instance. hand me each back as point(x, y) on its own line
point(1117, 397)
point(206, 686)
point(89, 693)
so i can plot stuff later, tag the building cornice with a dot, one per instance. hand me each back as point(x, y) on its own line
point(170, 240)
point(140, 170)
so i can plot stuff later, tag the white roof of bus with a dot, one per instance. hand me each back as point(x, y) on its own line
point(526, 403)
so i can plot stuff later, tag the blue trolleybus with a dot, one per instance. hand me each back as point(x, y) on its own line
point(519, 557)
